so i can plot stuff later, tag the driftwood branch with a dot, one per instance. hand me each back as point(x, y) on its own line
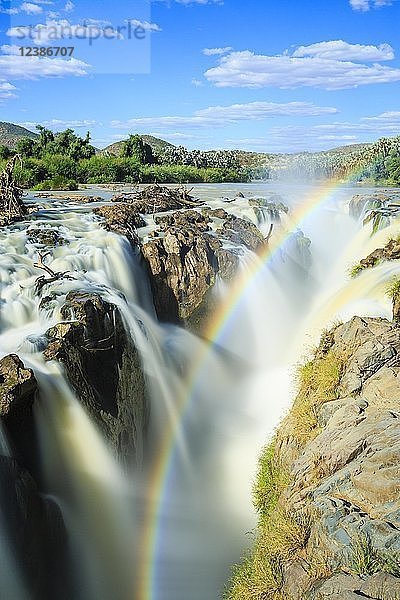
point(52, 275)
point(10, 193)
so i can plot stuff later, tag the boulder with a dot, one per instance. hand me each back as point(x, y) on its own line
point(182, 269)
point(17, 389)
point(184, 258)
point(123, 219)
point(103, 367)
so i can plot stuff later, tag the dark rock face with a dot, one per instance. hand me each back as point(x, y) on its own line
point(185, 260)
point(182, 268)
point(33, 526)
point(103, 367)
point(123, 219)
point(244, 232)
point(35, 530)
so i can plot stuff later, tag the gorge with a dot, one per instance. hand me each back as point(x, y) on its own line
point(148, 338)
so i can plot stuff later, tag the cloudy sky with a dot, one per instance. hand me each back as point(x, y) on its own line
point(265, 75)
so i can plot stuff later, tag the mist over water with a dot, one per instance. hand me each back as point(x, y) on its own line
point(212, 407)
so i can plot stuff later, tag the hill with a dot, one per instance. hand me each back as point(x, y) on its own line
point(10, 134)
point(155, 143)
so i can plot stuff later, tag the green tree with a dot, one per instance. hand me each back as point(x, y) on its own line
point(5, 152)
point(25, 147)
point(135, 147)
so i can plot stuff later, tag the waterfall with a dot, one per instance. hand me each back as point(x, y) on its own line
point(212, 406)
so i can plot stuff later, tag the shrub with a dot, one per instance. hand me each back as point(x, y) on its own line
point(57, 183)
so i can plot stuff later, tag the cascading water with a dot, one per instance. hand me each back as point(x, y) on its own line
point(173, 536)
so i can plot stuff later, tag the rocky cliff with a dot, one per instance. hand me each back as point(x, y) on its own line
point(328, 490)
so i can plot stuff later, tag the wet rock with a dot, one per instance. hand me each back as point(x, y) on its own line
point(123, 219)
point(35, 533)
point(389, 252)
point(183, 268)
point(186, 259)
point(45, 237)
point(17, 388)
point(239, 231)
point(33, 528)
point(103, 366)
point(183, 219)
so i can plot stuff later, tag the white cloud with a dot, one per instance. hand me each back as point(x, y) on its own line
point(386, 116)
point(31, 9)
point(60, 124)
point(69, 6)
point(340, 50)
point(9, 11)
point(22, 67)
point(7, 90)
point(217, 51)
point(197, 83)
point(145, 25)
point(362, 5)
point(247, 69)
point(365, 5)
point(220, 116)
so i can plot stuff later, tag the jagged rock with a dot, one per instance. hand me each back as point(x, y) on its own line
point(32, 526)
point(183, 219)
point(17, 388)
point(45, 237)
point(185, 260)
point(103, 366)
point(347, 587)
point(389, 252)
point(123, 219)
point(183, 268)
point(347, 478)
point(34, 531)
point(239, 231)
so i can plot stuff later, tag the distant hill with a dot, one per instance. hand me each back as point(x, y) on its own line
point(154, 142)
point(349, 148)
point(10, 134)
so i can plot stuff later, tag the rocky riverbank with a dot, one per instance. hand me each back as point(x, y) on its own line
point(328, 490)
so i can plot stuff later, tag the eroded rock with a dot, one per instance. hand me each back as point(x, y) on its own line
point(103, 366)
point(121, 218)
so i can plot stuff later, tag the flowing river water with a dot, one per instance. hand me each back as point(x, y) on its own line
point(171, 528)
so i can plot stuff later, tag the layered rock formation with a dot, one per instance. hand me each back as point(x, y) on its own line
point(329, 487)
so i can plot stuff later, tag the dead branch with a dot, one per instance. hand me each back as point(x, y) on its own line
point(53, 275)
point(10, 193)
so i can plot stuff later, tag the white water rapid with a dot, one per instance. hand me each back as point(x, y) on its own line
point(170, 528)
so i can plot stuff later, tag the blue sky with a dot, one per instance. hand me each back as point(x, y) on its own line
point(279, 76)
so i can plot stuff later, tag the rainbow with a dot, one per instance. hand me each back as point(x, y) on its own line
point(214, 333)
